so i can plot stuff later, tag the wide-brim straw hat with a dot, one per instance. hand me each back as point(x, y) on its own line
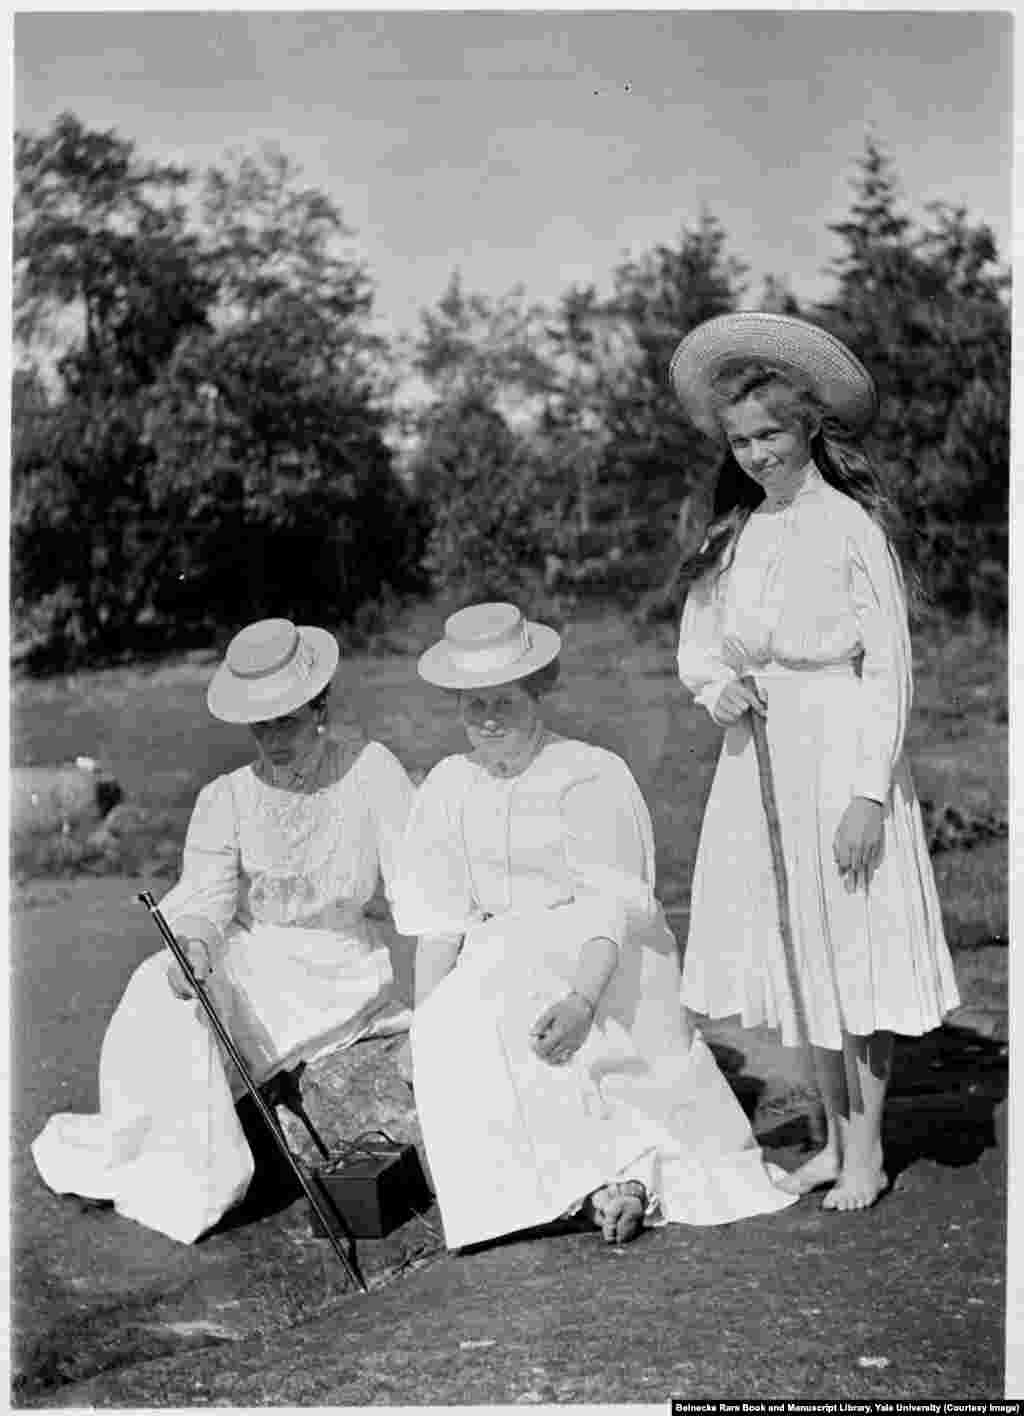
point(272, 668)
point(487, 645)
point(838, 379)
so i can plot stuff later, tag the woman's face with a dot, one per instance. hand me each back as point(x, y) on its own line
point(284, 741)
point(499, 721)
point(769, 448)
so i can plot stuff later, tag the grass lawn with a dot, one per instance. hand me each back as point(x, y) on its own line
point(95, 1296)
point(150, 726)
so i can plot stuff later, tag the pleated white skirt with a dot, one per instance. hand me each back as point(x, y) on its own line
point(867, 959)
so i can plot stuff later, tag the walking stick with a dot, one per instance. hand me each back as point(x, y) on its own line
point(330, 1222)
point(771, 814)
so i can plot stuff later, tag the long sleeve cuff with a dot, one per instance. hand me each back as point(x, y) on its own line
point(873, 785)
point(708, 697)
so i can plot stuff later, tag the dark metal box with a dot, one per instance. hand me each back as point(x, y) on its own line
point(375, 1185)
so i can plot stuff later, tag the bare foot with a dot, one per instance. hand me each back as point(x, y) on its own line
point(821, 1169)
point(856, 1189)
point(618, 1210)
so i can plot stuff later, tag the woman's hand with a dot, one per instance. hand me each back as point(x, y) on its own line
point(735, 699)
point(858, 844)
point(199, 961)
point(560, 1031)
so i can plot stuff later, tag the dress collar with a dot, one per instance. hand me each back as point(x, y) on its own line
point(515, 766)
point(326, 763)
point(803, 484)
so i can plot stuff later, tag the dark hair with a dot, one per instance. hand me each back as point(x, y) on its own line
point(840, 459)
point(538, 683)
point(543, 680)
point(319, 703)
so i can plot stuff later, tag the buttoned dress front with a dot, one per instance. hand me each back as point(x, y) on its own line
point(813, 607)
point(276, 882)
point(527, 869)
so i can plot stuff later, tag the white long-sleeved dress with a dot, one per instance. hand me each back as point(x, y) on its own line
point(527, 869)
point(813, 606)
point(276, 883)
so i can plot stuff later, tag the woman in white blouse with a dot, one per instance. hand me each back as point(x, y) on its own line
point(554, 1071)
point(796, 610)
point(280, 861)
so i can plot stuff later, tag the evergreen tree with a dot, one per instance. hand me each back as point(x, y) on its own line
point(655, 459)
point(485, 365)
point(926, 310)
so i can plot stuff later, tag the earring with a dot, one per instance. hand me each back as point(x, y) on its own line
point(320, 729)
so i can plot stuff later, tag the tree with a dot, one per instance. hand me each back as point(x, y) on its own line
point(926, 310)
point(100, 247)
point(654, 458)
point(277, 416)
point(482, 542)
point(216, 445)
point(100, 239)
point(487, 370)
point(471, 345)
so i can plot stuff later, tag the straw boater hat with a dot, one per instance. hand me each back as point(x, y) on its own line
point(839, 380)
point(271, 668)
point(486, 645)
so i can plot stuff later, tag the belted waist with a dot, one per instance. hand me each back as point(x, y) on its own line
point(772, 670)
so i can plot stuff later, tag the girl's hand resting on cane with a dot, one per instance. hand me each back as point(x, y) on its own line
point(858, 844)
point(561, 1030)
point(199, 961)
point(735, 699)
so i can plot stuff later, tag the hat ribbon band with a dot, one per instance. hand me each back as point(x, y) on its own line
point(501, 656)
point(299, 661)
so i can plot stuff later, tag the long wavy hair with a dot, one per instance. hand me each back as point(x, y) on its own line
point(841, 460)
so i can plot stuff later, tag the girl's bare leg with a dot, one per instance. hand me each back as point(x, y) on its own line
point(824, 1166)
point(853, 1085)
point(862, 1177)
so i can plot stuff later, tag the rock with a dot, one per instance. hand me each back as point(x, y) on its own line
point(353, 1091)
point(61, 798)
point(127, 819)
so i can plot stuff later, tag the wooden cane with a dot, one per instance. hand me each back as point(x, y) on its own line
point(331, 1221)
point(771, 814)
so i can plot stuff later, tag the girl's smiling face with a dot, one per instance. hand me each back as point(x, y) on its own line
point(771, 449)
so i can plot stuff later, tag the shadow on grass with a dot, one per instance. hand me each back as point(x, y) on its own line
point(273, 1187)
point(745, 1088)
point(944, 1093)
point(941, 1107)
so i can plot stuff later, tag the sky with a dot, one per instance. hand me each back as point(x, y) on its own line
point(542, 148)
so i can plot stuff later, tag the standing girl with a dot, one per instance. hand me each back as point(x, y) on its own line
point(796, 611)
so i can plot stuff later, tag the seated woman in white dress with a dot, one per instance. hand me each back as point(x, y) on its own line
point(280, 861)
point(554, 1070)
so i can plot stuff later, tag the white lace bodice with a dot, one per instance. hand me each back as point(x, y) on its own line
point(261, 854)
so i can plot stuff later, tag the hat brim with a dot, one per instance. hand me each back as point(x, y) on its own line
point(232, 699)
point(840, 381)
point(436, 665)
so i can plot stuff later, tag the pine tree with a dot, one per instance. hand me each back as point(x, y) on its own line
point(925, 308)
